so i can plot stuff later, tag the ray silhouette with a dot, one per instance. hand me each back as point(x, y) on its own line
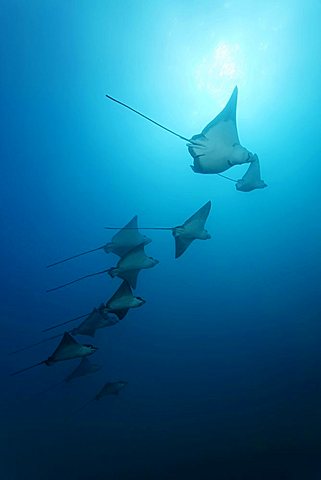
point(121, 243)
point(67, 349)
point(127, 268)
point(217, 148)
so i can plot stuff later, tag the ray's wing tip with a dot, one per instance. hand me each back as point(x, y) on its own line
point(235, 93)
point(178, 253)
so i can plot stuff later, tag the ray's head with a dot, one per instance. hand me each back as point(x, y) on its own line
point(206, 236)
point(140, 301)
point(91, 348)
point(153, 261)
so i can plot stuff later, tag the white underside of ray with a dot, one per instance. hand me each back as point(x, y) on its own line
point(218, 148)
point(129, 266)
point(123, 298)
point(127, 301)
point(135, 260)
point(191, 232)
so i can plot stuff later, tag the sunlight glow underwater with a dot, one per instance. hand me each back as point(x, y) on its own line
point(223, 65)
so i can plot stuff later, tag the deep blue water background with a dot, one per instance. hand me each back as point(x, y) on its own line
point(223, 361)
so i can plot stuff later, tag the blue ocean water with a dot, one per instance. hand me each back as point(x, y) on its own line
point(223, 361)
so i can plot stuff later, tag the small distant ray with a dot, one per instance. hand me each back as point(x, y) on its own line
point(217, 148)
point(67, 349)
point(192, 229)
point(251, 180)
point(122, 300)
point(128, 268)
point(121, 243)
point(110, 388)
point(84, 368)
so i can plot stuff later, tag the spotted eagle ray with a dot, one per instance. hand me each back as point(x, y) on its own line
point(122, 300)
point(110, 388)
point(192, 229)
point(68, 349)
point(121, 243)
point(127, 268)
point(217, 148)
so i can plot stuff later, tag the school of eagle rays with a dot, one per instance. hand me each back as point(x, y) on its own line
point(215, 150)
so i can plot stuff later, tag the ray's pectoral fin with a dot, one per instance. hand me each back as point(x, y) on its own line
point(89, 331)
point(66, 342)
point(228, 114)
point(199, 218)
point(131, 277)
point(181, 244)
point(123, 291)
